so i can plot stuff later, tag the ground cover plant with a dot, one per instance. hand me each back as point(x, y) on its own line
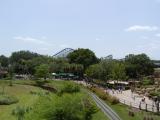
point(65, 107)
point(7, 99)
point(125, 112)
point(36, 103)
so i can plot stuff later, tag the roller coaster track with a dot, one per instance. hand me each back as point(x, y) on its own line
point(63, 53)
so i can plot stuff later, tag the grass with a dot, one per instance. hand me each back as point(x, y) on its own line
point(22, 92)
point(99, 116)
point(25, 92)
point(123, 110)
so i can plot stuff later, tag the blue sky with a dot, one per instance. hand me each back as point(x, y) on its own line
point(116, 27)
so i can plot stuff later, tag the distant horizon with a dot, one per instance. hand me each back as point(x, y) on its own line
point(114, 57)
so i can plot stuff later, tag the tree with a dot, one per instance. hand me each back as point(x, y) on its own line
point(42, 71)
point(19, 61)
point(82, 56)
point(4, 61)
point(22, 55)
point(94, 71)
point(101, 70)
point(138, 65)
point(76, 69)
point(118, 71)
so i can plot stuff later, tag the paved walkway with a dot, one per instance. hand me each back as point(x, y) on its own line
point(131, 99)
point(134, 100)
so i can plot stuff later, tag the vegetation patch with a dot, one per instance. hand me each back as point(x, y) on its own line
point(104, 96)
point(19, 112)
point(71, 88)
point(66, 107)
point(7, 99)
point(147, 81)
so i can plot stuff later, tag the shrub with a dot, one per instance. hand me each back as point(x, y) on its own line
point(147, 81)
point(104, 96)
point(131, 113)
point(70, 88)
point(40, 82)
point(100, 93)
point(39, 93)
point(7, 100)
point(66, 107)
point(153, 93)
point(114, 100)
point(19, 112)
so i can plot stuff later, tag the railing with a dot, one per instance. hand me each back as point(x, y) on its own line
point(140, 105)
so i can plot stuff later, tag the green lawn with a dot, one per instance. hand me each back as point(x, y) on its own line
point(122, 111)
point(22, 90)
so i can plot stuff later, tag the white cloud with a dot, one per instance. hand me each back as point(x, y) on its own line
point(157, 35)
point(32, 40)
point(97, 39)
point(141, 28)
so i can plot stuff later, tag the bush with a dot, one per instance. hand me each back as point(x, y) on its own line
point(104, 96)
point(39, 93)
point(114, 100)
point(7, 100)
point(66, 107)
point(153, 93)
point(100, 93)
point(147, 81)
point(19, 112)
point(131, 113)
point(70, 88)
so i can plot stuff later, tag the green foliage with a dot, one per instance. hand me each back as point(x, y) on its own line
point(70, 88)
point(153, 94)
point(22, 55)
point(40, 82)
point(113, 100)
point(118, 71)
point(4, 61)
point(19, 112)
point(84, 57)
point(100, 93)
point(94, 71)
point(57, 66)
point(147, 81)
point(107, 69)
point(138, 65)
point(42, 71)
point(104, 96)
point(76, 69)
point(66, 107)
point(102, 70)
point(19, 61)
point(7, 99)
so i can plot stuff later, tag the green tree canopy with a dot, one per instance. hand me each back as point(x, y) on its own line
point(138, 65)
point(82, 56)
point(4, 61)
point(118, 71)
point(22, 55)
point(42, 71)
point(102, 70)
